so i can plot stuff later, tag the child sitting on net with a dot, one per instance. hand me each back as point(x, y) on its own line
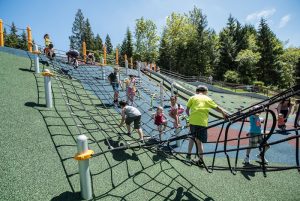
point(160, 121)
point(176, 110)
point(256, 136)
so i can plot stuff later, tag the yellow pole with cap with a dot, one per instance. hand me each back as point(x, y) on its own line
point(29, 38)
point(117, 56)
point(84, 51)
point(1, 34)
point(104, 54)
point(131, 62)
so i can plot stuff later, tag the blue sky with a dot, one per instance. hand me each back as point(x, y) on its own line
point(113, 16)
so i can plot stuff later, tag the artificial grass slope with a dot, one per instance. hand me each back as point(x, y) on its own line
point(30, 168)
point(127, 175)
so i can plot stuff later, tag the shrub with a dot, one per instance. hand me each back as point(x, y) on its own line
point(231, 76)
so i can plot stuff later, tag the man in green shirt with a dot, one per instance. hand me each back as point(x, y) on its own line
point(198, 107)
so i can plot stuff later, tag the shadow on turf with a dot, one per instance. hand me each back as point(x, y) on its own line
point(249, 174)
point(33, 104)
point(120, 155)
point(68, 196)
point(26, 70)
point(180, 194)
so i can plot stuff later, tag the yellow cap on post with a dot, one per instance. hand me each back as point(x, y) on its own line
point(83, 156)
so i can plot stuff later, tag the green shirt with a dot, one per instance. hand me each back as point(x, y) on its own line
point(199, 106)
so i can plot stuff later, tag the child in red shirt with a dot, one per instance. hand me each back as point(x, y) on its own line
point(160, 120)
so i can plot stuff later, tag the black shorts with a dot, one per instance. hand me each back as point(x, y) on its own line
point(199, 132)
point(136, 120)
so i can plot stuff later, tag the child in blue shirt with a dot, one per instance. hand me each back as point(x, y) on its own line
point(256, 136)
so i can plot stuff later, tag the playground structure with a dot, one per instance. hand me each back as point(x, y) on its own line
point(88, 77)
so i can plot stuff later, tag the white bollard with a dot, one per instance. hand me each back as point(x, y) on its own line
point(48, 90)
point(126, 67)
point(161, 94)
point(172, 88)
point(139, 69)
point(84, 169)
point(36, 59)
point(177, 131)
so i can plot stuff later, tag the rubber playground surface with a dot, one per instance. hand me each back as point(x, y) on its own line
point(39, 144)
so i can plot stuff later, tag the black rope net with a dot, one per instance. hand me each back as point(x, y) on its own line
point(85, 97)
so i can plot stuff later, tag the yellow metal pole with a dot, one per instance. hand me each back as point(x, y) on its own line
point(84, 51)
point(29, 38)
point(104, 54)
point(117, 56)
point(131, 62)
point(1, 34)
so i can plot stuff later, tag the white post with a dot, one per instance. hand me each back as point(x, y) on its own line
point(36, 59)
point(172, 89)
point(177, 131)
point(126, 67)
point(161, 94)
point(84, 169)
point(139, 69)
point(48, 90)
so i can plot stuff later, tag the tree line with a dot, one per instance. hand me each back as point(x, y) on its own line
point(13, 39)
point(237, 54)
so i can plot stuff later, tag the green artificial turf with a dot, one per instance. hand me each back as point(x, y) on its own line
point(38, 145)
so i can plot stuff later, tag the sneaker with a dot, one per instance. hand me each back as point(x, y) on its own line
point(198, 162)
point(259, 158)
point(247, 160)
point(129, 134)
point(188, 157)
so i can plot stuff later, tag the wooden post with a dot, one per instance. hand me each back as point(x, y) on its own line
point(1, 34)
point(104, 54)
point(84, 51)
point(29, 38)
point(117, 56)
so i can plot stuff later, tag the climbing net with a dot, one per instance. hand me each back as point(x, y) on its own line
point(94, 82)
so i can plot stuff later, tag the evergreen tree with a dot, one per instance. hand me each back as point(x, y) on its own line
point(163, 60)
point(109, 46)
point(78, 30)
point(228, 48)
point(89, 36)
point(98, 43)
point(13, 38)
point(297, 74)
point(270, 49)
point(23, 41)
point(127, 46)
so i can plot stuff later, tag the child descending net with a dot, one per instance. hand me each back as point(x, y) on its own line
point(160, 121)
point(176, 111)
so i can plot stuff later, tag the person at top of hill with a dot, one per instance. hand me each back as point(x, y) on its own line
point(198, 107)
point(113, 79)
point(73, 56)
point(47, 40)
